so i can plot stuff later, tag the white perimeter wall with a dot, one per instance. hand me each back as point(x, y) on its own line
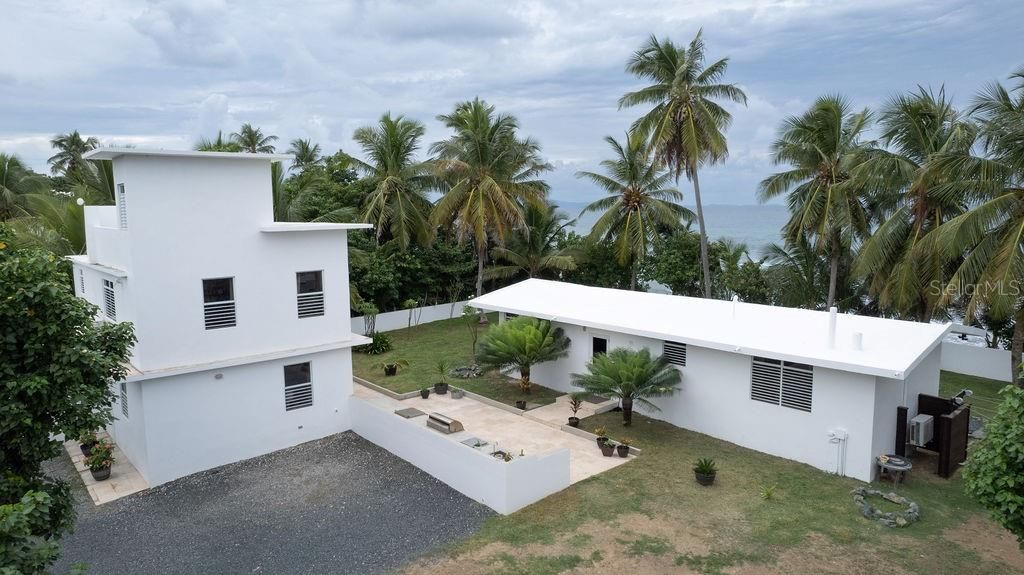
point(504, 487)
point(195, 421)
point(394, 320)
point(977, 361)
point(715, 399)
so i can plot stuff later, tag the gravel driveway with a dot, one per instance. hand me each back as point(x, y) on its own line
point(338, 505)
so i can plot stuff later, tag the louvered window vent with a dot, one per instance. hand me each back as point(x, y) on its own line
point(219, 303)
point(782, 383)
point(109, 300)
point(298, 386)
point(675, 353)
point(310, 293)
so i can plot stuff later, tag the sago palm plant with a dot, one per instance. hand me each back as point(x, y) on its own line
point(522, 343)
point(631, 376)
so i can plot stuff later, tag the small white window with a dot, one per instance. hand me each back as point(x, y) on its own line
point(124, 399)
point(81, 281)
point(310, 289)
point(122, 207)
point(782, 383)
point(219, 303)
point(675, 353)
point(298, 386)
point(109, 300)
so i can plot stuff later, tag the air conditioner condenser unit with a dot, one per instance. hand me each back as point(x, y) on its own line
point(922, 428)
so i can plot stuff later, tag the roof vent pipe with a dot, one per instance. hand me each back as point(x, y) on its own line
point(832, 326)
point(858, 340)
point(735, 299)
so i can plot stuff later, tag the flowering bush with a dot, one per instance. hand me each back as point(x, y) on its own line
point(101, 457)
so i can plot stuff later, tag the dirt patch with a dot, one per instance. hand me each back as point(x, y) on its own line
point(990, 541)
point(817, 555)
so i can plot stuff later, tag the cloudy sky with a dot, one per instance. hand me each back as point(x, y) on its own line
point(162, 74)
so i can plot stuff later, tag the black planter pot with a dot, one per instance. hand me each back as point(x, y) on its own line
point(390, 370)
point(607, 449)
point(601, 440)
point(440, 388)
point(87, 448)
point(623, 450)
point(704, 479)
point(574, 422)
point(521, 404)
point(101, 474)
point(424, 393)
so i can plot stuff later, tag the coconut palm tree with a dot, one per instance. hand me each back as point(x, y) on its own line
point(631, 376)
point(821, 147)
point(17, 184)
point(988, 237)
point(70, 148)
point(521, 343)
point(487, 174)
point(797, 275)
point(251, 139)
point(218, 144)
point(640, 201)
point(534, 251)
point(289, 206)
point(687, 124)
point(898, 258)
point(306, 154)
point(398, 206)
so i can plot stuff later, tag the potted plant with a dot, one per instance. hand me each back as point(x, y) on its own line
point(608, 449)
point(100, 460)
point(602, 436)
point(521, 404)
point(705, 470)
point(575, 403)
point(425, 392)
point(390, 367)
point(88, 440)
point(442, 368)
point(623, 447)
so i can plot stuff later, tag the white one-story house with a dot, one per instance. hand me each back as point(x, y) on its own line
point(817, 387)
point(244, 339)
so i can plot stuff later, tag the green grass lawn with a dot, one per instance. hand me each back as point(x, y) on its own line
point(650, 515)
point(424, 345)
point(986, 396)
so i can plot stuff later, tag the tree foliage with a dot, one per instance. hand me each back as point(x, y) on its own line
point(994, 473)
point(56, 371)
point(521, 343)
point(630, 376)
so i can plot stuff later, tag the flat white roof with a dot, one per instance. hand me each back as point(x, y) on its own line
point(278, 227)
point(111, 153)
point(891, 348)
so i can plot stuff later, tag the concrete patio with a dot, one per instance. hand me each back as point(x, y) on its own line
point(536, 433)
point(124, 478)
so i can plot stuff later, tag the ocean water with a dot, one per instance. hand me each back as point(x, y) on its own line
point(756, 225)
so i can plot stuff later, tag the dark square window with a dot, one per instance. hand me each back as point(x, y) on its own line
point(310, 282)
point(220, 289)
point(296, 374)
point(600, 345)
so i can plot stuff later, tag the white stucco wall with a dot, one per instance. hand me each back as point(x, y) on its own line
point(976, 360)
point(130, 432)
point(196, 421)
point(715, 399)
point(395, 320)
point(892, 393)
point(504, 487)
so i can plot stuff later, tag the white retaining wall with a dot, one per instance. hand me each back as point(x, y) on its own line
point(504, 487)
point(977, 361)
point(394, 320)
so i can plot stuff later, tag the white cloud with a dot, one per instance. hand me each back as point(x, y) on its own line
point(167, 72)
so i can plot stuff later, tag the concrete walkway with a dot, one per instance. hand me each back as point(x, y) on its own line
point(508, 431)
point(124, 478)
point(558, 413)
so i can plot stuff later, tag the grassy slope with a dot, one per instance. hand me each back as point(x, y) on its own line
point(986, 391)
point(423, 345)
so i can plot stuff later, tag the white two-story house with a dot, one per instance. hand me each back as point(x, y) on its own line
point(244, 338)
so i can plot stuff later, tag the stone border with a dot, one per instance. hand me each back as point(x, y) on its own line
point(911, 514)
point(384, 390)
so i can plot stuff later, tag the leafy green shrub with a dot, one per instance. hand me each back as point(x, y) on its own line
point(768, 492)
point(995, 469)
point(381, 344)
